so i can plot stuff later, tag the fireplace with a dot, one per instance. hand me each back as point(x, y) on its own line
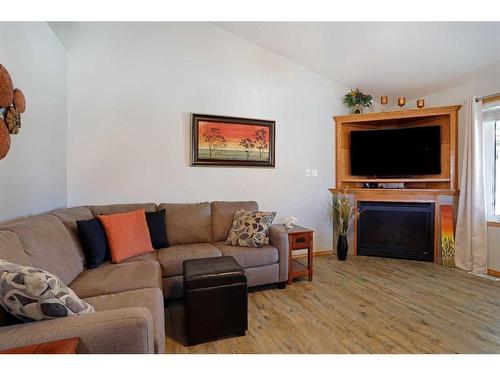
point(396, 230)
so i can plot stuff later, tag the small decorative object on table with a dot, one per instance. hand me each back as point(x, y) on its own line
point(289, 222)
point(343, 214)
point(402, 101)
point(384, 100)
point(420, 103)
point(447, 237)
point(357, 101)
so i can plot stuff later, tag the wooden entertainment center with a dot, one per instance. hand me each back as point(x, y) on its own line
point(422, 188)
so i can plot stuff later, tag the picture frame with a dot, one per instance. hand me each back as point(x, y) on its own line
point(232, 141)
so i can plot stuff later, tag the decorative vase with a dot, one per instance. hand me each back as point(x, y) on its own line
point(342, 247)
point(357, 108)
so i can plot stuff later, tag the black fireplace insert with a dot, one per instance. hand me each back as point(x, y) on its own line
point(396, 230)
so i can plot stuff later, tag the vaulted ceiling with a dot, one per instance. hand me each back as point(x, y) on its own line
point(383, 58)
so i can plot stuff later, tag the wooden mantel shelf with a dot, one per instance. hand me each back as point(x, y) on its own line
point(396, 195)
point(398, 114)
point(409, 179)
point(396, 192)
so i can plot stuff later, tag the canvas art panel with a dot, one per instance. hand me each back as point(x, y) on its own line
point(232, 141)
point(447, 237)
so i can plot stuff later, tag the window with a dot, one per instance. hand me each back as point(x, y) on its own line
point(491, 128)
point(497, 167)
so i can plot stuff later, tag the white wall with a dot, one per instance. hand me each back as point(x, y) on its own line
point(485, 84)
point(33, 175)
point(481, 85)
point(131, 89)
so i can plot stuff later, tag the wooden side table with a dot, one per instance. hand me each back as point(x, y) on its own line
point(66, 346)
point(300, 238)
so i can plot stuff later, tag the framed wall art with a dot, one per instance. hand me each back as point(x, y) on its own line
point(232, 141)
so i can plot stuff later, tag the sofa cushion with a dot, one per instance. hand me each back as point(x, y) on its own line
point(49, 245)
point(127, 234)
point(250, 228)
point(111, 209)
point(12, 250)
point(188, 222)
point(223, 213)
point(94, 242)
point(111, 278)
point(151, 298)
point(250, 256)
point(69, 217)
point(171, 258)
point(157, 228)
point(148, 256)
point(32, 294)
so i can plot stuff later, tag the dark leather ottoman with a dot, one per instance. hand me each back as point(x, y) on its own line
point(215, 299)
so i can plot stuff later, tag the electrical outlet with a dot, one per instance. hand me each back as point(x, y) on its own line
point(314, 172)
point(308, 172)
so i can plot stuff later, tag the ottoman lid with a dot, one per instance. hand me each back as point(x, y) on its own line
point(211, 272)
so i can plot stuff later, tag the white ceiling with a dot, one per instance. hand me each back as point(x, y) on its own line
point(409, 59)
point(382, 58)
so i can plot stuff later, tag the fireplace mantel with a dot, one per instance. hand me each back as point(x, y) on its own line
point(400, 195)
point(417, 189)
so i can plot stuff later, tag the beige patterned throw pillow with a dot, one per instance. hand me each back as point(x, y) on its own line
point(250, 229)
point(32, 294)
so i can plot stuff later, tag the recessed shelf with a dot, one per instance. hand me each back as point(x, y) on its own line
point(299, 269)
point(391, 180)
point(446, 118)
point(397, 191)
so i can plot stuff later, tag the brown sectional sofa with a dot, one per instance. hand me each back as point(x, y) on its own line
point(128, 297)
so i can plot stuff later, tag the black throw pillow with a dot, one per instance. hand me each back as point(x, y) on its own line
point(94, 243)
point(157, 229)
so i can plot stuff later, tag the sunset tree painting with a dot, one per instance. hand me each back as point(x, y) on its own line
point(447, 236)
point(227, 141)
point(261, 142)
point(213, 139)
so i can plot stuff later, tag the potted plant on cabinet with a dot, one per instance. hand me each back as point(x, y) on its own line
point(343, 214)
point(357, 101)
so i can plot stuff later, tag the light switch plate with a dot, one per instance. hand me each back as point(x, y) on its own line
point(308, 172)
point(314, 172)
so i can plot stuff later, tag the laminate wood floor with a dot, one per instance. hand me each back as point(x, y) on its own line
point(364, 305)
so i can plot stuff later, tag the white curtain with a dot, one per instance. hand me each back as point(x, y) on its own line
point(471, 236)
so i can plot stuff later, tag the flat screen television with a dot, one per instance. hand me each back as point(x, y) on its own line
point(394, 153)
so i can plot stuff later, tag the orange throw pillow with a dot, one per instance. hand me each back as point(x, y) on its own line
point(127, 234)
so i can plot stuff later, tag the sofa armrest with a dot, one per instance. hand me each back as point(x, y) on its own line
point(128, 330)
point(278, 237)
